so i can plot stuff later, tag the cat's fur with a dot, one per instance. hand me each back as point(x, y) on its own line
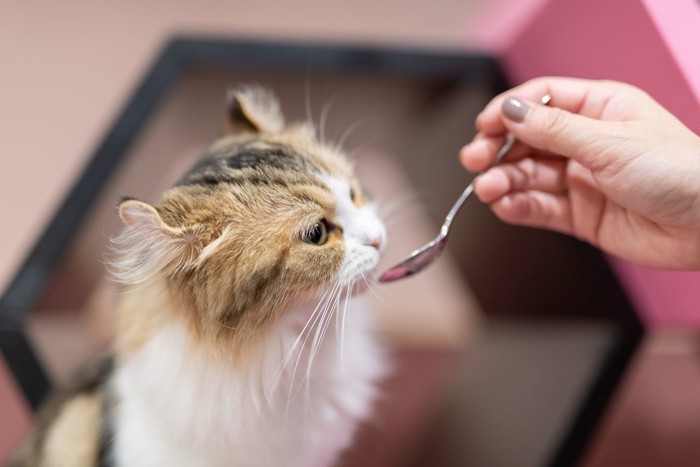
point(235, 342)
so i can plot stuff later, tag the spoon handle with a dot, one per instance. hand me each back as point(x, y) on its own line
point(510, 141)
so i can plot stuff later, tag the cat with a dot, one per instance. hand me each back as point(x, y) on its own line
point(238, 338)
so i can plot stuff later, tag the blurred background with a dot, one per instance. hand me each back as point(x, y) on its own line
point(496, 346)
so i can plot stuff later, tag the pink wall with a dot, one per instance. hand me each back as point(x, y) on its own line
point(650, 43)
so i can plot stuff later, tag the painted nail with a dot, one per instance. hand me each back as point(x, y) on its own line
point(514, 109)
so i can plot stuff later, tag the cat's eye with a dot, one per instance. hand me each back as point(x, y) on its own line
point(353, 195)
point(318, 234)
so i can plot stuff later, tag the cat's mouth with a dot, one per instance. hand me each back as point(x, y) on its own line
point(360, 269)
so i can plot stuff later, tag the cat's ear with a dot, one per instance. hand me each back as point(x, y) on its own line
point(148, 246)
point(140, 215)
point(253, 109)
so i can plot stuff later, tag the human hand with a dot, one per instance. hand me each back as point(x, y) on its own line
point(605, 163)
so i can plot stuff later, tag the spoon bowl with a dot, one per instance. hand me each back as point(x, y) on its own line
point(428, 253)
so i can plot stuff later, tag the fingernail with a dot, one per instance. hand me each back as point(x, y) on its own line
point(514, 109)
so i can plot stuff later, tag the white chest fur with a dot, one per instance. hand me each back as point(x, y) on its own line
point(180, 408)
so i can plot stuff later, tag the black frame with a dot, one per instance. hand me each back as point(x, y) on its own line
point(186, 53)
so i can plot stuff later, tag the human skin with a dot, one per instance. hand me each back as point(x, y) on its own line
point(603, 162)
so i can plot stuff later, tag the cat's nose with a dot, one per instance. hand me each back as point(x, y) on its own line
point(375, 243)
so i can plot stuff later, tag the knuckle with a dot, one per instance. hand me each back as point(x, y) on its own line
point(613, 85)
point(527, 170)
point(541, 80)
point(554, 123)
point(623, 89)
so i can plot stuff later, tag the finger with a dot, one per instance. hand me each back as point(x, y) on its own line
point(545, 174)
point(563, 133)
point(478, 155)
point(535, 209)
point(585, 97)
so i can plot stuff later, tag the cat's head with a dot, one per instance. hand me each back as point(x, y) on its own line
point(267, 217)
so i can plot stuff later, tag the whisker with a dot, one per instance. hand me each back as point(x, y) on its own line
point(301, 351)
point(368, 143)
point(307, 99)
point(288, 355)
point(332, 314)
point(324, 117)
point(400, 217)
point(400, 200)
point(369, 286)
point(348, 293)
point(316, 345)
point(310, 322)
point(296, 364)
point(351, 129)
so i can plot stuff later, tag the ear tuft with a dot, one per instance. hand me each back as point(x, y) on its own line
point(148, 246)
point(253, 109)
point(137, 213)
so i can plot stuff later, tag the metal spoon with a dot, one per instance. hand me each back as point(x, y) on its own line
point(428, 253)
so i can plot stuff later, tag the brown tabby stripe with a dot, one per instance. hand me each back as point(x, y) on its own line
point(263, 278)
point(257, 284)
point(229, 166)
point(105, 454)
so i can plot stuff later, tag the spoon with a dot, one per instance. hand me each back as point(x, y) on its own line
point(425, 255)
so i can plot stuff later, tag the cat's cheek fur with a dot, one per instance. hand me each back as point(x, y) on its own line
point(364, 234)
point(180, 407)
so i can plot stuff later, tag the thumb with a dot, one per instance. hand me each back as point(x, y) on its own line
point(555, 130)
